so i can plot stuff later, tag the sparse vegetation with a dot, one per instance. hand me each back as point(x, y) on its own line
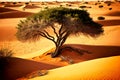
point(82, 6)
point(110, 8)
point(96, 3)
point(27, 3)
point(14, 3)
point(85, 2)
point(5, 52)
point(100, 6)
point(101, 18)
point(62, 21)
point(67, 59)
point(108, 4)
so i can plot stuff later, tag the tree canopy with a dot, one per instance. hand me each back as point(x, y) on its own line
point(70, 21)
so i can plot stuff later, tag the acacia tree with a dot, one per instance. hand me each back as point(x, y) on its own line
point(63, 21)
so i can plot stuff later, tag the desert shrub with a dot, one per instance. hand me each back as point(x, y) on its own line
point(27, 3)
point(101, 18)
point(69, 5)
point(110, 8)
point(89, 7)
point(4, 61)
point(67, 58)
point(14, 3)
point(108, 4)
point(46, 7)
point(100, 6)
point(61, 5)
point(43, 3)
point(4, 52)
point(82, 6)
point(96, 3)
point(85, 2)
point(2, 2)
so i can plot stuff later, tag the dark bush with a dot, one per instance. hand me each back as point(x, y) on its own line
point(2, 2)
point(82, 6)
point(101, 18)
point(61, 5)
point(96, 3)
point(108, 4)
point(46, 7)
point(85, 2)
point(5, 52)
point(27, 3)
point(100, 6)
point(14, 3)
point(110, 8)
point(4, 55)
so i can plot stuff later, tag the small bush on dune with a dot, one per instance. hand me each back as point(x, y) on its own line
point(2, 2)
point(82, 6)
point(5, 52)
point(96, 3)
point(100, 6)
point(61, 5)
point(108, 4)
point(101, 18)
point(14, 3)
point(85, 2)
point(110, 8)
point(27, 3)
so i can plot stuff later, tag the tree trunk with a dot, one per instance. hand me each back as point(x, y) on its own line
point(59, 43)
point(56, 52)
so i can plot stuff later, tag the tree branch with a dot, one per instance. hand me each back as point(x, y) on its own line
point(60, 29)
point(48, 37)
point(55, 31)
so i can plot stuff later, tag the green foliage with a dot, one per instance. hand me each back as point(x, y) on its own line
point(5, 52)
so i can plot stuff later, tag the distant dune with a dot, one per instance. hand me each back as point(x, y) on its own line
point(15, 14)
point(115, 13)
point(3, 9)
point(31, 7)
point(109, 22)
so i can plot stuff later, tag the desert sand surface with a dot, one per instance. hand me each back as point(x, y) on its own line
point(98, 69)
point(20, 67)
point(106, 45)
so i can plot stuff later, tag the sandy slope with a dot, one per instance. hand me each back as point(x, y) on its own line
point(98, 69)
point(17, 67)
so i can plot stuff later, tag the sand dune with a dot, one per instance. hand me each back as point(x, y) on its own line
point(115, 13)
point(21, 67)
point(15, 14)
point(96, 52)
point(109, 22)
point(31, 7)
point(17, 67)
point(3, 9)
point(98, 69)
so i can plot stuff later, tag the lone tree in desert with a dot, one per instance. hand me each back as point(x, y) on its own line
point(62, 21)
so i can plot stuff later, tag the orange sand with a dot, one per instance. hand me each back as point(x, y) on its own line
point(109, 45)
